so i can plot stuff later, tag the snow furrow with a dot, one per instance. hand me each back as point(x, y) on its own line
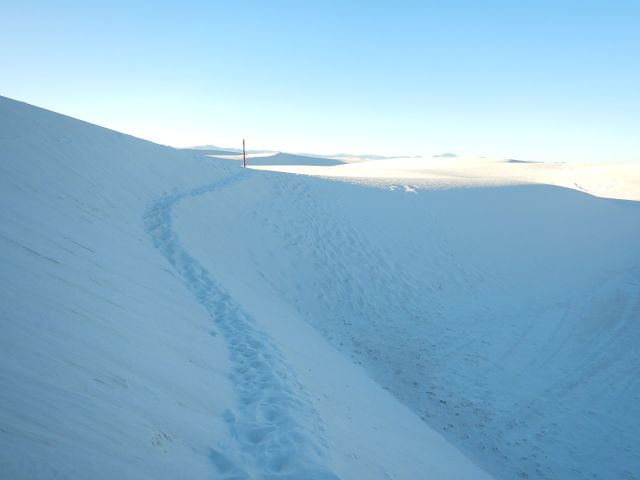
point(275, 431)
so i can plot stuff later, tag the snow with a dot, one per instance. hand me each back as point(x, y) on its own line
point(611, 180)
point(170, 315)
point(506, 317)
point(108, 369)
point(280, 158)
point(531, 345)
point(126, 354)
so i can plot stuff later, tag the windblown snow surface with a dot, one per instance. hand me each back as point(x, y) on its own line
point(169, 315)
point(124, 353)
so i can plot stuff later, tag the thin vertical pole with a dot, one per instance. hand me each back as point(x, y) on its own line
point(244, 155)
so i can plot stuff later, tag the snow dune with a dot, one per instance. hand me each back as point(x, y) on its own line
point(108, 369)
point(621, 181)
point(170, 315)
point(508, 318)
point(125, 349)
point(262, 159)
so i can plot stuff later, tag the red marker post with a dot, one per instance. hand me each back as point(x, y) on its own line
point(244, 155)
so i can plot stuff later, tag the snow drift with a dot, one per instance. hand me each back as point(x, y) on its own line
point(169, 315)
point(124, 353)
point(505, 317)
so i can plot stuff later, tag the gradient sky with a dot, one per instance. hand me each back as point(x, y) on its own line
point(544, 80)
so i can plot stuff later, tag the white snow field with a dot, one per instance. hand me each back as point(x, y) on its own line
point(610, 180)
point(169, 315)
point(126, 351)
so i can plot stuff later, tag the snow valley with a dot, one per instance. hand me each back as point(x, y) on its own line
point(168, 314)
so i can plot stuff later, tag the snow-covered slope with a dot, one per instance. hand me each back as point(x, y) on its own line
point(108, 368)
point(508, 318)
point(169, 315)
point(125, 351)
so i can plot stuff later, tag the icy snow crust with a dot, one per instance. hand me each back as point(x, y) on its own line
point(126, 353)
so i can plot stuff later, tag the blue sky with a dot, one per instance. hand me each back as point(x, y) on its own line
point(533, 80)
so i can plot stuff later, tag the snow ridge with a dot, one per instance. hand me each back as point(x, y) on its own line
point(275, 432)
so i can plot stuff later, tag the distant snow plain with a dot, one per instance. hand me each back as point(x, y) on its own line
point(609, 180)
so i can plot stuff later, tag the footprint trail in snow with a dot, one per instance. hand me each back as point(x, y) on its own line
point(275, 433)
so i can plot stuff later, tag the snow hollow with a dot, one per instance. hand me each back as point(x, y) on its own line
point(170, 315)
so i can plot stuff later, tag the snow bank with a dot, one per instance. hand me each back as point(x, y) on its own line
point(108, 368)
point(507, 318)
point(168, 315)
point(124, 353)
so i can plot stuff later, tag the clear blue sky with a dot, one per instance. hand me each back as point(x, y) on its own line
point(543, 80)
